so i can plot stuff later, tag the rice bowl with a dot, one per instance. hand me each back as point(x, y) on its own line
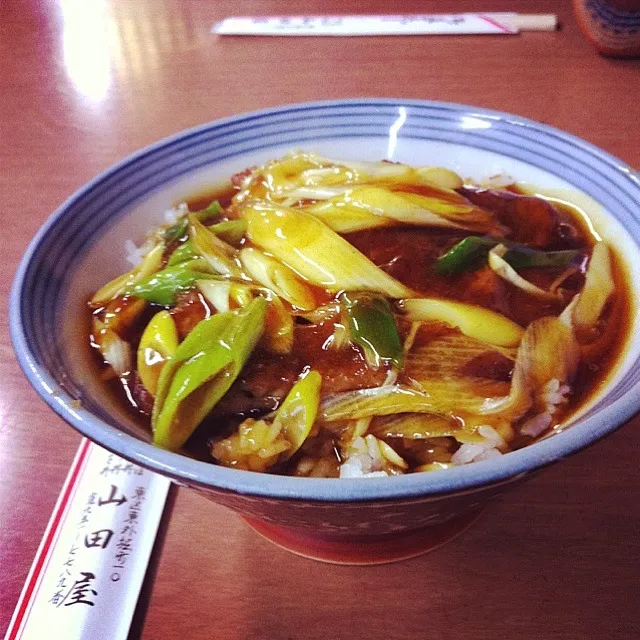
point(124, 202)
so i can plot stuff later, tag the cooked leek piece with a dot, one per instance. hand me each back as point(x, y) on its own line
point(502, 268)
point(332, 171)
point(377, 401)
point(227, 294)
point(474, 321)
point(315, 252)
point(296, 415)
point(116, 352)
point(108, 324)
point(149, 265)
point(284, 181)
point(276, 276)
point(219, 255)
point(471, 253)
point(186, 251)
point(119, 315)
point(278, 330)
point(407, 208)
point(202, 370)
point(598, 287)
point(216, 291)
point(176, 230)
point(282, 174)
point(436, 177)
point(326, 312)
point(345, 218)
point(158, 343)
point(391, 454)
point(446, 368)
point(260, 444)
point(548, 351)
point(231, 231)
point(414, 426)
point(211, 211)
point(163, 287)
point(180, 227)
point(372, 326)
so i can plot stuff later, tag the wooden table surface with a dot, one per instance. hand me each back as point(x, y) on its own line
point(85, 82)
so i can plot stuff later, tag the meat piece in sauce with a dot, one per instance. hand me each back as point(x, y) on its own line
point(486, 289)
point(491, 365)
point(237, 179)
point(532, 221)
point(190, 309)
point(140, 395)
point(267, 378)
point(263, 383)
point(409, 255)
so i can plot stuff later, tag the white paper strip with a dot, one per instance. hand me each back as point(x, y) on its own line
point(87, 574)
point(465, 23)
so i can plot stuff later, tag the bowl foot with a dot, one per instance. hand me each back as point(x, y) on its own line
point(364, 550)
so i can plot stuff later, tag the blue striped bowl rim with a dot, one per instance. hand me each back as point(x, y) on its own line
point(90, 212)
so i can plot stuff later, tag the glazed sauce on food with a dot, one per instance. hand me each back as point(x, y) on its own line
point(408, 254)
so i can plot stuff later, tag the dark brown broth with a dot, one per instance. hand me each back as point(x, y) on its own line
point(407, 254)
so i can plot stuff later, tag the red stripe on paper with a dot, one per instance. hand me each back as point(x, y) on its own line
point(53, 527)
point(495, 23)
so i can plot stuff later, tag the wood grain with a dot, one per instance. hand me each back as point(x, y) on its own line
point(84, 84)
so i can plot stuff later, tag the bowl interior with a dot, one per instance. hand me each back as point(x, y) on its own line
point(83, 246)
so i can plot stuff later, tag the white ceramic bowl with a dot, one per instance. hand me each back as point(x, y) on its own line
point(81, 246)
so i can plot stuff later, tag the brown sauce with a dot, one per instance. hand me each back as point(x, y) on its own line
point(408, 254)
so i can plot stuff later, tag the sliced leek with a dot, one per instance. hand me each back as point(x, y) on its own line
point(219, 255)
point(278, 330)
point(149, 265)
point(372, 326)
point(407, 208)
point(260, 444)
point(276, 276)
point(202, 370)
point(446, 368)
point(502, 268)
point(598, 287)
point(315, 252)
point(548, 351)
point(474, 321)
point(216, 292)
point(343, 217)
point(377, 401)
point(158, 343)
point(296, 415)
point(415, 426)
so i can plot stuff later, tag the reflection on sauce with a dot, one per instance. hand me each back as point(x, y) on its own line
point(408, 254)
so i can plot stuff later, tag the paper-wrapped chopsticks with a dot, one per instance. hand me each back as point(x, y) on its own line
point(379, 25)
point(86, 577)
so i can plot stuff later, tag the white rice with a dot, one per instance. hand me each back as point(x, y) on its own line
point(492, 436)
point(171, 215)
point(135, 254)
point(467, 453)
point(498, 181)
point(474, 452)
point(552, 395)
point(365, 460)
point(537, 425)
point(488, 454)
